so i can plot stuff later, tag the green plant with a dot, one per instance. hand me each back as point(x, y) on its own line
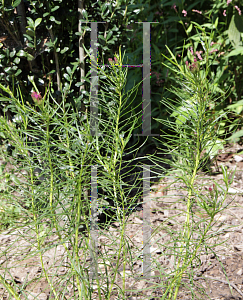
point(67, 148)
point(197, 133)
point(67, 201)
point(8, 212)
point(68, 206)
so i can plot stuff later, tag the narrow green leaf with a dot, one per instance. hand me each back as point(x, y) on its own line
point(14, 178)
point(66, 76)
point(30, 22)
point(28, 37)
point(18, 72)
point(101, 37)
point(236, 107)
point(29, 56)
point(54, 8)
point(16, 3)
point(236, 136)
point(12, 54)
point(173, 56)
point(235, 52)
point(84, 12)
point(21, 53)
point(69, 70)
point(209, 25)
point(4, 98)
point(30, 45)
point(103, 8)
point(49, 44)
point(7, 70)
point(198, 26)
point(109, 35)
point(64, 50)
point(30, 32)
point(5, 89)
point(48, 27)
point(38, 21)
point(189, 29)
point(9, 288)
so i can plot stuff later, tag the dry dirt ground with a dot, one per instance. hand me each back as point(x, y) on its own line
point(27, 274)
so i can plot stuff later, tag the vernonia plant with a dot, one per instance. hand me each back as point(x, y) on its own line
point(67, 208)
point(195, 133)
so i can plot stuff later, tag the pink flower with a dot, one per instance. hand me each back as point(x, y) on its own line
point(197, 11)
point(194, 67)
point(184, 12)
point(157, 75)
point(224, 13)
point(115, 59)
point(212, 43)
point(221, 53)
point(111, 61)
point(159, 13)
point(174, 7)
point(36, 97)
point(228, 2)
point(159, 81)
point(214, 50)
point(191, 50)
point(211, 192)
point(198, 53)
point(239, 11)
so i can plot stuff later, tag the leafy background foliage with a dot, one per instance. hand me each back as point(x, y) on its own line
point(53, 26)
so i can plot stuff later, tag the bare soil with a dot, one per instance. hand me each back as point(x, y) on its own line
point(26, 274)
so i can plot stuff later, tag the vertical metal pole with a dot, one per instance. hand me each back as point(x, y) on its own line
point(146, 222)
point(94, 82)
point(93, 223)
point(146, 124)
point(146, 131)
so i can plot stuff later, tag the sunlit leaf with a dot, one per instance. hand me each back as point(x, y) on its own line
point(234, 33)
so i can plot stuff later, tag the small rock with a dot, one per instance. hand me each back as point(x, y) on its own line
point(240, 272)
point(238, 158)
